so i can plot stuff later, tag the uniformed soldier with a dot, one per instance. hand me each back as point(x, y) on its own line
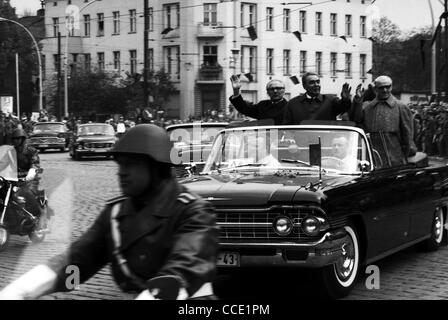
point(157, 228)
point(28, 161)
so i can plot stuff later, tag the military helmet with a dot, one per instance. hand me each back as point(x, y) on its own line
point(146, 139)
point(18, 133)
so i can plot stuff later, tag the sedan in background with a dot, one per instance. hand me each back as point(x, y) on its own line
point(49, 135)
point(92, 140)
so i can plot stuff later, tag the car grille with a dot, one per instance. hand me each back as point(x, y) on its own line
point(93, 145)
point(255, 224)
point(46, 140)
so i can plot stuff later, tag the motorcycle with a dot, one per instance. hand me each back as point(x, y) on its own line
point(22, 212)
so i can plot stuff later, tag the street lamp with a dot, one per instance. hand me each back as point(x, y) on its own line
point(38, 58)
point(71, 22)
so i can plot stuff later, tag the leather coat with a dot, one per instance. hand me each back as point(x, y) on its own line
point(173, 233)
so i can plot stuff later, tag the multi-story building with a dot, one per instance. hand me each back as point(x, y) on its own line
point(202, 43)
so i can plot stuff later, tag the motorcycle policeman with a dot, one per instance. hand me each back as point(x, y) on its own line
point(157, 228)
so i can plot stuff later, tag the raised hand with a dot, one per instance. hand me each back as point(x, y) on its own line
point(236, 84)
point(346, 89)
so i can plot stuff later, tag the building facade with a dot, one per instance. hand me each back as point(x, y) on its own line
point(202, 43)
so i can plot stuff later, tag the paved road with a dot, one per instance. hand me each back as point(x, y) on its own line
point(77, 192)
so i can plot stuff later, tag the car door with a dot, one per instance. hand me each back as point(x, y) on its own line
point(386, 210)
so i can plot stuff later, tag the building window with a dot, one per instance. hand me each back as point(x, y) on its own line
point(348, 25)
point(100, 61)
point(151, 19)
point(74, 63)
point(210, 14)
point(302, 62)
point(319, 63)
point(270, 61)
point(100, 24)
point(319, 23)
point(286, 62)
point(362, 65)
point(151, 59)
point(116, 15)
point(249, 60)
point(87, 62)
point(44, 67)
point(171, 15)
point(55, 27)
point(362, 27)
point(133, 61)
point(348, 65)
point(270, 19)
point(210, 56)
point(248, 15)
point(86, 25)
point(333, 24)
point(132, 21)
point(56, 62)
point(117, 64)
point(333, 64)
point(302, 21)
point(286, 20)
point(172, 61)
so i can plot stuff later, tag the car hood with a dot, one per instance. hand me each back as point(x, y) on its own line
point(253, 190)
point(95, 138)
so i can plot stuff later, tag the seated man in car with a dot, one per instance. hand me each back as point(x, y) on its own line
point(342, 158)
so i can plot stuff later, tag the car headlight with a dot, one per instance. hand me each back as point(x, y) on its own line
point(282, 226)
point(79, 147)
point(312, 225)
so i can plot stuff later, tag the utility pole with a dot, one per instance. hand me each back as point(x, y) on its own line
point(17, 85)
point(59, 105)
point(145, 54)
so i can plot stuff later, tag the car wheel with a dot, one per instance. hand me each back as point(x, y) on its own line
point(339, 279)
point(4, 238)
point(77, 156)
point(437, 232)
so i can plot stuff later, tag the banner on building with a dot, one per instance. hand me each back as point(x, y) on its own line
point(6, 104)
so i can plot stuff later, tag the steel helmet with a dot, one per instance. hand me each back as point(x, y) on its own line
point(18, 133)
point(146, 139)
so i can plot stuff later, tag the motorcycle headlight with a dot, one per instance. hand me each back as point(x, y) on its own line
point(282, 226)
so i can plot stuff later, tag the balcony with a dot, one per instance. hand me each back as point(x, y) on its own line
point(210, 31)
point(210, 74)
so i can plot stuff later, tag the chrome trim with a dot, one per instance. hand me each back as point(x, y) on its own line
point(277, 245)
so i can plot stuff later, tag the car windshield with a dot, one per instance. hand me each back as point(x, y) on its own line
point(196, 134)
point(93, 130)
point(48, 127)
point(338, 150)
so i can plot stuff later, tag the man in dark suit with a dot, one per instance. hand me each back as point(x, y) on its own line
point(314, 106)
point(265, 109)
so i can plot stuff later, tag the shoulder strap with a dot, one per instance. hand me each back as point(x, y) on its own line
point(121, 260)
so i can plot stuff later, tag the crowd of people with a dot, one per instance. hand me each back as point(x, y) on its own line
point(431, 128)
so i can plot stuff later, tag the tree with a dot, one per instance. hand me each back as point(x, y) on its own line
point(385, 31)
point(96, 92)
point(13, 39)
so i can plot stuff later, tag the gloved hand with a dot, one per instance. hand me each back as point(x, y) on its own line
point(146, 295)
point(36, 282)
point(31, 174)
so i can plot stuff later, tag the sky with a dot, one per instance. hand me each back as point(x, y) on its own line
point(407, 14)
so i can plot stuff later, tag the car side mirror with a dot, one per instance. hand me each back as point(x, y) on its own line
point(364, 166)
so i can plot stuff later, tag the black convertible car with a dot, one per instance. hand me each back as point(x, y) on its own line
point(319, 196)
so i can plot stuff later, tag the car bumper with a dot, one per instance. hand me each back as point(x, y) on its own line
point(94, 152)
point(323, 252)
point(48, 145)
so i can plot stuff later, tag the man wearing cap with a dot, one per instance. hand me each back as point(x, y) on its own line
point(265, 109)
point(156, 228)
point(387, 115)
point(313, 105)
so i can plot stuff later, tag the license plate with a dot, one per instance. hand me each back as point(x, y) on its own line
point(100, 150)
point(43, 145)
point(228, 259)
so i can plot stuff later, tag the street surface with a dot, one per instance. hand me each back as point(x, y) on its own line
point(78, 190)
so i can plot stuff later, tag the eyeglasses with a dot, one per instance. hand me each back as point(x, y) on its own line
point(276, 88)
